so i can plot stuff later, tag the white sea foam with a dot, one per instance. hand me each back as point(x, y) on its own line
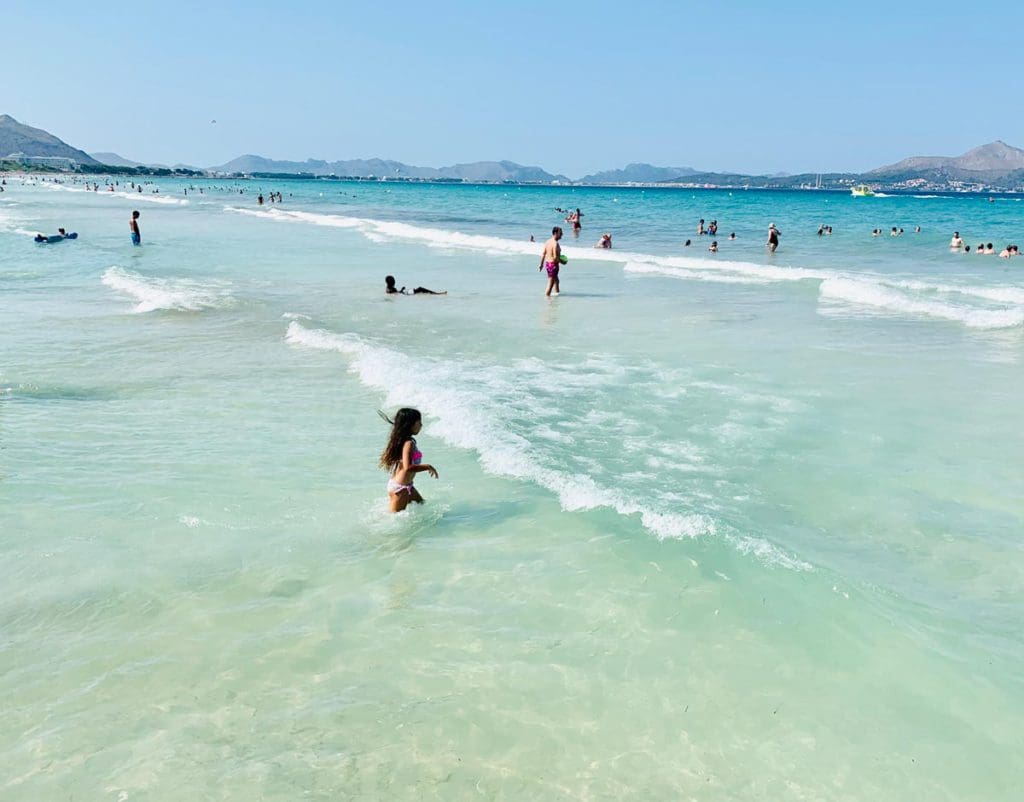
point(459, 397)
point(753, 272)
point(289, 216)
point(60, 187)
point(147, 197)
point(463, 400)
point(888, 299)
point(691, 274)
point(1006, 295)
point(690, 267)
point(157, 293)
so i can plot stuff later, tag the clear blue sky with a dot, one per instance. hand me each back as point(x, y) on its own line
point(572, 87)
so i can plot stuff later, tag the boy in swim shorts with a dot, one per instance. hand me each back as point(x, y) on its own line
point(549, 260)
point(133, 226)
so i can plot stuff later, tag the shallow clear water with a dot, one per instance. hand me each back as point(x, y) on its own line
point(707, 526)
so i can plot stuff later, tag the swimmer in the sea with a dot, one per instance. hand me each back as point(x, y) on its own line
point(391, 289)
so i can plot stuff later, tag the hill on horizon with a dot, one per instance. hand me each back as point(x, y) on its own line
point(114, 160)
point(640, 173)
point(987, 162)
point(18, 138)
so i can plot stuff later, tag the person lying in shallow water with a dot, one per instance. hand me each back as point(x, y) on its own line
point(390, 289)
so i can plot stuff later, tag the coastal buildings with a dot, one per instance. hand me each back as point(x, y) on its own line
point(55, 162)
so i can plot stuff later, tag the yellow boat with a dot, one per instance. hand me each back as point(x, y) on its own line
point(862, 191)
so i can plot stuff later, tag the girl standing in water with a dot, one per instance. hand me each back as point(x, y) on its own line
point(402, 459)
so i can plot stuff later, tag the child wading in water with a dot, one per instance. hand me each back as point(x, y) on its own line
point(403, 459)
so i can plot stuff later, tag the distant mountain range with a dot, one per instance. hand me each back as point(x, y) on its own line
point(385, 168)
point(995, 165)
point(114, 160)
point(18, 138)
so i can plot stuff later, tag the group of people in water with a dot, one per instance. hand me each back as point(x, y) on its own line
point(573, 218)
point(274, 197)
point(63, 234)
point(711, 230)
point(985, 249)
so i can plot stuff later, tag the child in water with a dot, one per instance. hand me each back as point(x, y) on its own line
point(391, 289)
point(402, 459)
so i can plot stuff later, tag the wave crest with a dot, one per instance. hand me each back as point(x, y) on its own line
point(469, 402)
point(153, 294)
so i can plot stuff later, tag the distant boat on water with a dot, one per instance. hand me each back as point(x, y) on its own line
point(862, 191)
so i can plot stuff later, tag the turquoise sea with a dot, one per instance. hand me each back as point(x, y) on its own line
point(708, 526)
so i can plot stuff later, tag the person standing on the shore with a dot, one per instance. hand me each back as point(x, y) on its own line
point(551, 259)
point(773, 238)
point(133, 226)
